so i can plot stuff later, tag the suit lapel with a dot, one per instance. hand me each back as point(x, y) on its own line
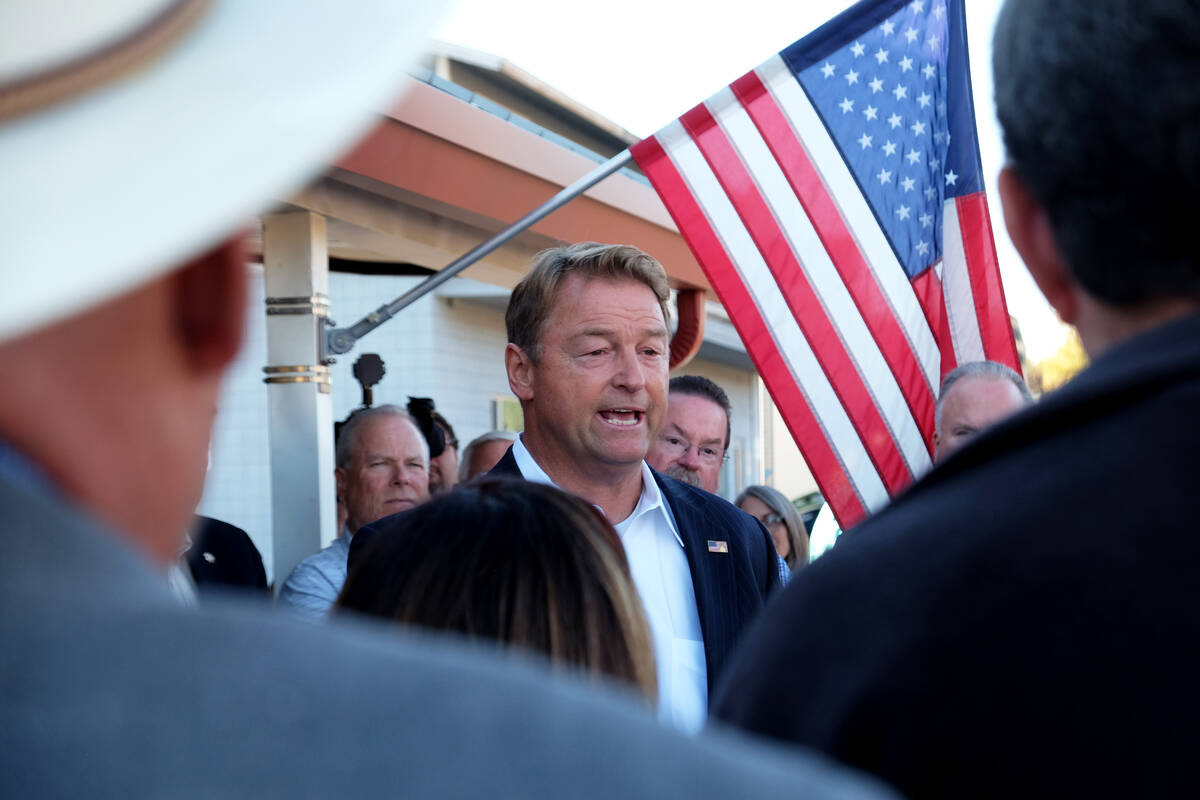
point(712, 573)
point(506, 466)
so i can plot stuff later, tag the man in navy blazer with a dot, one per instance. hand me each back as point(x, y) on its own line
point(587, 356)
point(1026, 619)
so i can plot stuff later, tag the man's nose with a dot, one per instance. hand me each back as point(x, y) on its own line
point(631, 372)
point(690, 459)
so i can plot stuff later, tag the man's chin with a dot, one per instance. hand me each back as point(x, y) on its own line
point(686, 475)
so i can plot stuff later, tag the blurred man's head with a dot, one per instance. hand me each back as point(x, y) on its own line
point(483, 453)
point(1100, 105)
point(692, 443)
point(975, 396)
point(135, 139)
point(587, 357)
point(382, 465)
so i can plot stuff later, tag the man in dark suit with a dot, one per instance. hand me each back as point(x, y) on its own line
point(223, 557)
point(1025, 620)
point(587, 357)
point(133, 138)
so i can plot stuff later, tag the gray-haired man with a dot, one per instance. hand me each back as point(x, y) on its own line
point(382, 469)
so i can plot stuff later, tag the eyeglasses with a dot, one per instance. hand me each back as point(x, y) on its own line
point(676, 446)
point(770, 519)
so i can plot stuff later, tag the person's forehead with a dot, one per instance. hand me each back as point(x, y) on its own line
point(983, 394)
point(582, 301)
point(696, 414)
point(387, 432)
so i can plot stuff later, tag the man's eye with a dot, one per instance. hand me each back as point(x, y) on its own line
point(708, 451)
point(671, 440)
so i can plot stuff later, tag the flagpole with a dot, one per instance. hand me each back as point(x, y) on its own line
point(342, 340)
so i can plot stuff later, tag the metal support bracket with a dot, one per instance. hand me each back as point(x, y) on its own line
point(342, 340)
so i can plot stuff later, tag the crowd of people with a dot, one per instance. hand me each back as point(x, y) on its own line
point(572, 611)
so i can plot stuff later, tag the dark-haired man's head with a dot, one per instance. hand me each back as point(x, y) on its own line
point(1100, 105)
point(695, 437)
point(443, 469)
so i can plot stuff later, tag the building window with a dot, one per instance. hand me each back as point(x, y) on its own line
point(507, 414)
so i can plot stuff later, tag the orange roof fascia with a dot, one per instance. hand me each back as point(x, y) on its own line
point(437, 146)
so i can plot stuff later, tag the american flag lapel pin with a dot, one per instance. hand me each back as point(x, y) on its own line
point(718, 546)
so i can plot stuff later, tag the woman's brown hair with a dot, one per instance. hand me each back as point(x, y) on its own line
point(518, 562)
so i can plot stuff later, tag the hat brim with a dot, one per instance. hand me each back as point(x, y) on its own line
point(102, 193)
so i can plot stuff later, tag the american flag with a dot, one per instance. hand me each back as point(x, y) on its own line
point(834, 198)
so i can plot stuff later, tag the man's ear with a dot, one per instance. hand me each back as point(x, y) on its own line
point(520, 371)
point(1029, 228)
point(339, 479)
point(209, 298)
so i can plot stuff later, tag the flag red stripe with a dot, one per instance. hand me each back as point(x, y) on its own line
point(933, 302)
point(831, 477)
point(843, 250)
point(823, 338)
point(995, 328)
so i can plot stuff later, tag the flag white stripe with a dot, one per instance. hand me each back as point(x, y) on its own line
point(893, 281)
point(789, 339)
point(824, 278)
point(956, 287)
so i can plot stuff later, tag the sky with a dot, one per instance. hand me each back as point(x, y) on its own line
point(642, 63)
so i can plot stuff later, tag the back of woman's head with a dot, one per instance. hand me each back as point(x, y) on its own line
point(518, 562)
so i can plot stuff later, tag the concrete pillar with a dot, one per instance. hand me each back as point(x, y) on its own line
point(303, 502)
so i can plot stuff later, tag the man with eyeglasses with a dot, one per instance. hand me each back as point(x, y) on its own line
point(587, 356)
point(694, 441)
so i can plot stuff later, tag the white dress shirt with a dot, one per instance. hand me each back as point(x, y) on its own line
point(664, 581)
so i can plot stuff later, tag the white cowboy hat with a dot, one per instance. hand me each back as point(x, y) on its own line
point(136, 133)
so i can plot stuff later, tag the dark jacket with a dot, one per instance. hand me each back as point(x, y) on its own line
point(223, 556)
point(730, 587)
point(1026, 619)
